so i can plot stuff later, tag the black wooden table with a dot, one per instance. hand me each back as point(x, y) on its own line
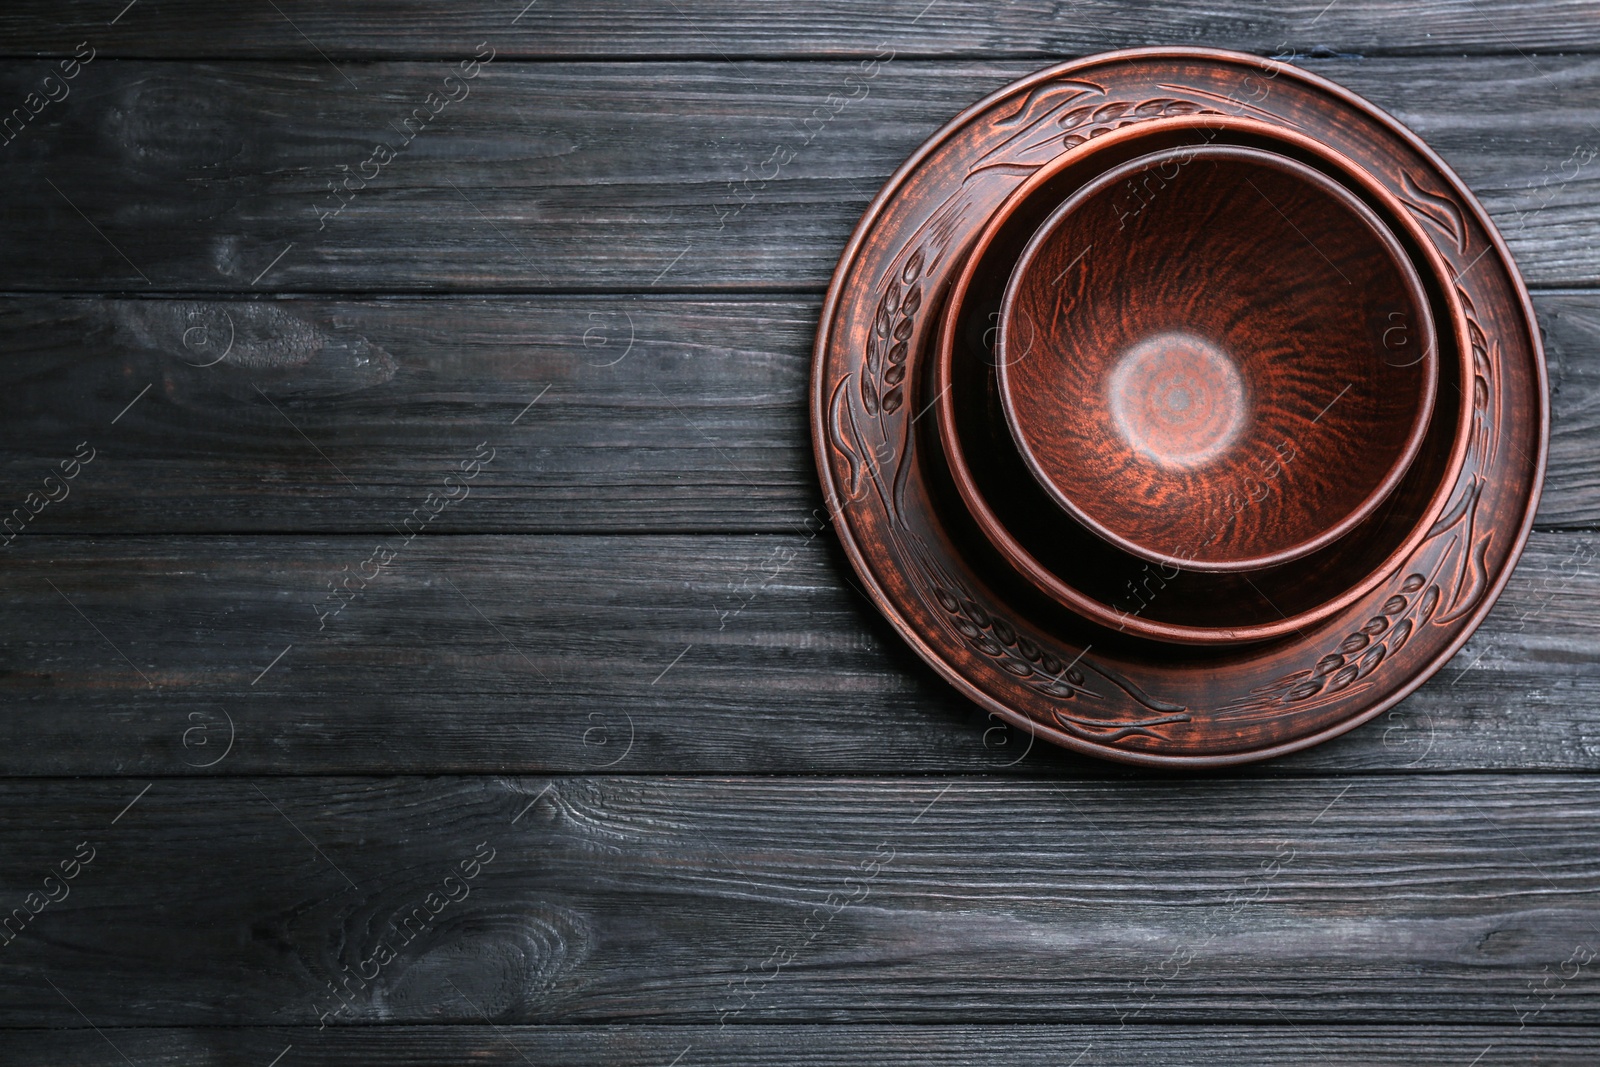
point(423, 640)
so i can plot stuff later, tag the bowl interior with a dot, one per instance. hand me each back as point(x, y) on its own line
point(1216, 358)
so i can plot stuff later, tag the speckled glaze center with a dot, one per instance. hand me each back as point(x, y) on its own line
point(1177, 400)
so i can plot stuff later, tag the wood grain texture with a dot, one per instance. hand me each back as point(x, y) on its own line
point(698, 424)
point(816, 1046)
point(629, 655)
point(718, 28)
point(655, 414)
point(685, 900)
point(216, 176)
point(1445, 904)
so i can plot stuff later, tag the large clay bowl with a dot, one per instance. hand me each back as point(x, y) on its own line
point(996, 495)
point(1197, 317)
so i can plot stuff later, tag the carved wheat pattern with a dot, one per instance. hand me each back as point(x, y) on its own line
point(882, 384)
point(1083, 123)
point(883, 376)
point(1054, 132)
point(1361, 651)
point(990, 634)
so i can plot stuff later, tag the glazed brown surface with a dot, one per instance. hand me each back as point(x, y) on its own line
point(1216, 358)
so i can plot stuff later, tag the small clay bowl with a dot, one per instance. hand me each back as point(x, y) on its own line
point(1195, 320)
point(991, 489)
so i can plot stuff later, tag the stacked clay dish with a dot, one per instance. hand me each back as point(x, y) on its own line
point(1179, 407)
point(1202, 357)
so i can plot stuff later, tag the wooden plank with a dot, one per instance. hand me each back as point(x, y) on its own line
point(1571, 328)
point(659, 414)
point(816, 1046)
point(637, 655)
point(652, 413)
point(716, 28)
point(1465, 899)
point(220, 176)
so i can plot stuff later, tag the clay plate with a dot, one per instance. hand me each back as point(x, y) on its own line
point(1045, 670)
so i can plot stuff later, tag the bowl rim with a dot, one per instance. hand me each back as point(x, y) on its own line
point(1421, 414)
point(1053, 585)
